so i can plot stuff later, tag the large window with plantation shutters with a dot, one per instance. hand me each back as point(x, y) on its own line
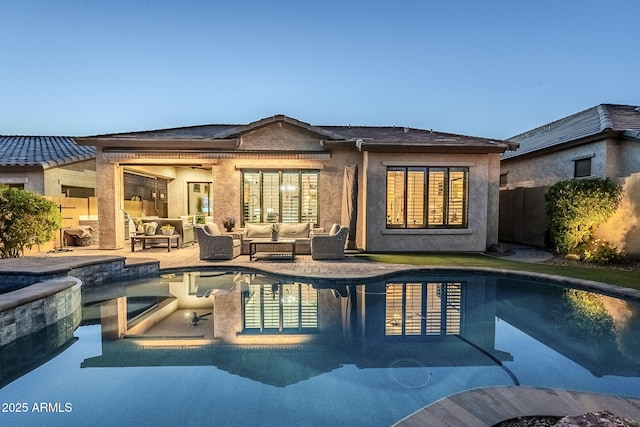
point(427, 197)
point(280, 196)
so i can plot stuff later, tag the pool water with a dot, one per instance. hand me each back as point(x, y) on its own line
point(239, 348)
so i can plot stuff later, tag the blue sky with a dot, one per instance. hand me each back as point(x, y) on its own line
point(492, 68)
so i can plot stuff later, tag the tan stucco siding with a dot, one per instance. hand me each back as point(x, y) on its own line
point(473, 238)
point(547, 169)
point(32, 178)
point(110, 203)
point(281, 137)
point(81, 174)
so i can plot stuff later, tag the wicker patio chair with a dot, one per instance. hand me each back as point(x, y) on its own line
point(329, 246)
point(217, 246)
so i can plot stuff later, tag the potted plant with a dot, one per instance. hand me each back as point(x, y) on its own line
point(275, 229)
point(228, 222)
point(167, 229)
point(150, 228)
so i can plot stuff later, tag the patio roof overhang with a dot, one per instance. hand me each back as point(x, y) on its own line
point(181, 156)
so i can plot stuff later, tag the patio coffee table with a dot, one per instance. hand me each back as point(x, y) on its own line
point(269, 250)
point(143, 238)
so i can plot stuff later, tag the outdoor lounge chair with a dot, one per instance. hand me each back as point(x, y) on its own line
point(214, 245)
point(329, 246)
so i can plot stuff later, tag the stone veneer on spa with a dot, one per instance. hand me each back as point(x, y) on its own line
point(57, 295)
point(31, 309)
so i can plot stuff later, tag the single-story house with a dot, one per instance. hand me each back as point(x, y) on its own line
point(599, 142)
point(397, 188)
point(48, 165)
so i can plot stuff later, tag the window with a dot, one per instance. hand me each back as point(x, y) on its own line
point(420, 197)
point(582, 168)
point(280, 196)
point(423, 309)
point(280, 308)
point(503, 180)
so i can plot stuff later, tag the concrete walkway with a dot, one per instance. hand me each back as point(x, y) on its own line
point(481, 407)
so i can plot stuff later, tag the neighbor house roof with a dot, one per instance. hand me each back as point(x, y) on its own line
point(595, 122)
point(361, 137)
point(44, 151)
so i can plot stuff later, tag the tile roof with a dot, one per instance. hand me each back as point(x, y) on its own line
point(598, 120)
point(45, 151)
point(371, 136)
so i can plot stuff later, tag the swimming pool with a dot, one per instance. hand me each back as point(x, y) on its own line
point(243, 348)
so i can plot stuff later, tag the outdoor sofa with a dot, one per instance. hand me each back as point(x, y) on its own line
point(301, 232)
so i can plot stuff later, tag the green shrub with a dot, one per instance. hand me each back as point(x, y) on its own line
point(575, 207)
point(26, 219)
point(601, 252)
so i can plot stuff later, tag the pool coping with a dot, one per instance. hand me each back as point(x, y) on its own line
point(488, 406)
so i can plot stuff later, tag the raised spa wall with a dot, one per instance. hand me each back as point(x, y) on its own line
point(50, 297)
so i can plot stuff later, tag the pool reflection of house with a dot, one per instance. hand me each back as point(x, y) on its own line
point(280, 332)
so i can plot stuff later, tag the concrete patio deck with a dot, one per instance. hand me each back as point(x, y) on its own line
point(481, 407)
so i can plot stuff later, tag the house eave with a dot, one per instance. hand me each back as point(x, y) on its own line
point(159, 143)
point(449, 149)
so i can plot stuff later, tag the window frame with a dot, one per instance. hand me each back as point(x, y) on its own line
point(443, 191)
point(281, 173)
point(577, 167)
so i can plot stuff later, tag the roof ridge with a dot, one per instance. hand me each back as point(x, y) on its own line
point(606, 123)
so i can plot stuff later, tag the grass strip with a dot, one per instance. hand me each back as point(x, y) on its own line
point(613, 276)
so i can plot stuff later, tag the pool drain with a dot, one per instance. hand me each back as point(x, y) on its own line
point(409, 373)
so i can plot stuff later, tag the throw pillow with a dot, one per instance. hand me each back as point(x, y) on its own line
point(334, 229)
point(297, 230)
point(258, 231)
point(212, 228)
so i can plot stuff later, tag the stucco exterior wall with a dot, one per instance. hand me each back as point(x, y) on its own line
point(473, 238)
point(32, 178)
point(547, 169)
point(80, 174)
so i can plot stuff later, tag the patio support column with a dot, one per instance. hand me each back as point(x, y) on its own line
point(110, 197)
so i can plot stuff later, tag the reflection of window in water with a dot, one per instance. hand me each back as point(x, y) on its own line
point(280, 307)
point(423, 309)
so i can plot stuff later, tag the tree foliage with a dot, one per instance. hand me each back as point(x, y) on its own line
point(26, 219)
point(575, 207)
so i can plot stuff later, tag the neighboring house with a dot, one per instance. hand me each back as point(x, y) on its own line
point(603, 142)
point(48, 165)
point(399, 189)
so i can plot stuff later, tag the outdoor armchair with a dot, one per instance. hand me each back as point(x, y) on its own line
point(215, 245)
point(329, 246)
